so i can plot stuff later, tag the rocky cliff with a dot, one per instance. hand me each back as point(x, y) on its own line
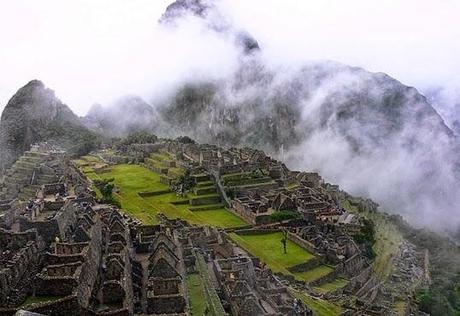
point(35, 114)
point(269, 109)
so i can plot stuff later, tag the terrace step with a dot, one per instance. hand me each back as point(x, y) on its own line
point(205, 200)
point(35, 154)
point(247, 181)
point(204, 184)
point(205, 190)
point(201, 177)
point(206, 207)
point(45, 179)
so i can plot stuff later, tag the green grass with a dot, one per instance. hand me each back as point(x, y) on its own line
point(315, 273)
point(39, 299)
point(388, 240)
point(132, 179)
point(196, 292)
point(161, 156)
point(219, 217)
point(349, 207)
point(332, 286)
point(165, 198)
point(320, 307)
point(269, 249)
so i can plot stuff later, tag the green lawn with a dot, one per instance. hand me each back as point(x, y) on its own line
point(132, 179)
point(320, 307)
point(315, 273)
point(129, 180)
point(219, 217)
point(269, 249)
point(332, 286)
point(196, 292)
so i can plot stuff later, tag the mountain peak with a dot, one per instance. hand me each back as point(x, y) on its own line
point(32, 115)
point(213, 18)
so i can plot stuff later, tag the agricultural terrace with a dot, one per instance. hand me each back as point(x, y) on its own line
point(130, 180)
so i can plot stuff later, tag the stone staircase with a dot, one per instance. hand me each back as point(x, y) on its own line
point(17, 181)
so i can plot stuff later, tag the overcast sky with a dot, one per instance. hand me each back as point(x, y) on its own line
point(96, 50)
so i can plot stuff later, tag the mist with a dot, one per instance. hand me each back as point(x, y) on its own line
point(97, 52)
point(94, 52)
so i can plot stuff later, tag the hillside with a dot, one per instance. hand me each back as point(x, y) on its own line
point(35, 114)
point(129, 113)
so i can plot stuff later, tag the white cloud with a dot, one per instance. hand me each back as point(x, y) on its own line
point(94, 51)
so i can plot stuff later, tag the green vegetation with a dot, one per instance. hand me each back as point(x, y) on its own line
point(213, 301)
point(332, 286)
point(129, 180)
point(280, 216)
point(76, 139)
point(138, 137)
point(387, 239)
point(269, 249)
point(349, 207)
point(39, 299)
point(185, 140)
point(196, 294)
point(219, 216)
point(105, 187)
point(315, 273)
point(320, 307)
point(443, 296)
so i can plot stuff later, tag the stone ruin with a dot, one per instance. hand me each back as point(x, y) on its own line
point(78, 257)
point(251, 289)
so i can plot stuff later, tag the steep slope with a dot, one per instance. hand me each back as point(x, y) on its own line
point(366, 131)
point(127, 114)
point(268, 109)
point(34, 114)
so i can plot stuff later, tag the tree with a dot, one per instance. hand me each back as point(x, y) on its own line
point(185, 140)
point(284, 240)
point(280, 216)
point(106, 187)
point(184, 183)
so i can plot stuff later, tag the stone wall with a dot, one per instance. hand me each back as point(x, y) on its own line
point(64, 306)
point(310, 264)
point(55, 286)
point(90, 268)
point(302, 243)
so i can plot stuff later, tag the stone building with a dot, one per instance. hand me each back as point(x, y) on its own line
point(165, 289)
point(252, 290)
